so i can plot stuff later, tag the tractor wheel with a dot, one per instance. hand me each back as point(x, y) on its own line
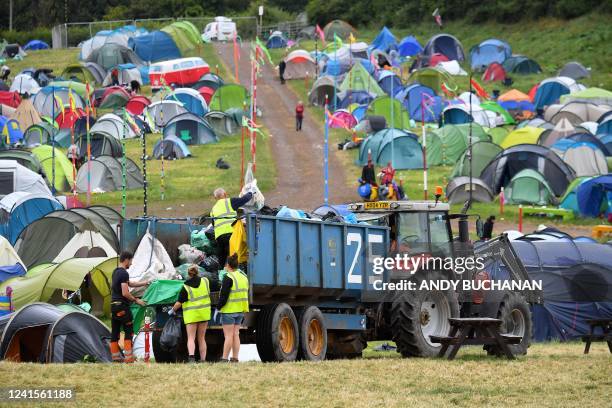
point(313, 334)
point(345, 345)
point(416, 315)
point(277, 333)
point(516, 321)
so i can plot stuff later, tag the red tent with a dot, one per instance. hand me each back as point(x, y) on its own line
point(532, 92)
point(67, 119)
point(206, 93)
point(436, 58)
point(494, 72)
point(11, 99)
point(137, 104)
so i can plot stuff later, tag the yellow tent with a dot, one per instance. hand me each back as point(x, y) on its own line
point(524, 135)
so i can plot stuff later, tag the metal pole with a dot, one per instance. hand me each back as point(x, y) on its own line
point(325, 156)
point(392, 125)
point(145, 186)
point(470, 143)
point(424, 148)
point(11, 15)
point(53, 143)
point(123, 166)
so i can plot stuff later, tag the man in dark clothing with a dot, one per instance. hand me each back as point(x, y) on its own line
point(487, 230)
point(281, 70)
point(121, 316)
point(224, 215)
point(368, 174)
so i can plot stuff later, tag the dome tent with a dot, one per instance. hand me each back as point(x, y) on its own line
point(446, 144)
point(446, 45)
point(529, 187)
point(482, 153)
point(488, 52)
point(19, 209)
point(409, 46)
point(458, 190)
point(171, 147)
point(340, 28)
point(15, 177)
point(386, 144)
point(105, 175)
point(518, 64)
point(191, 129)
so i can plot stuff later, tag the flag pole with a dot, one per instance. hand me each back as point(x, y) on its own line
point(145, 183)
point(123, 167)
point(470, 143)
point(242, 148)
point(53, 143)
point(424, 148)
point(326, 155)
point(88, 148)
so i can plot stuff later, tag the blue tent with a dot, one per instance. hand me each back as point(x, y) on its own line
point(9, 128)
point(191, 129)
point(409, 46)
point(589, 138)
point(605, 127)
point(191, 100)
point(390, 82)
point(577, 285)
point(350, 97)
point(607, 141)
point(171, 147)
point(18, 210)
point(514, 105)
point(360, 112)
point(276, 41)
point(489, 51)
point(367, 64)
point(595, 196)
point(155, 46)
point(11, 271)
point(36, 45)
point(414, 96)
point(549, 93)
point(386, 144)
point(456, 116)
point(384, 41)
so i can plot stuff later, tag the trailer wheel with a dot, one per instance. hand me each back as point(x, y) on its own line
point(516, 320)
point(313, 334)
point(277, 333)
point(416, 315)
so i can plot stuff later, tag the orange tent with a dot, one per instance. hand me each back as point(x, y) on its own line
point(514, 95)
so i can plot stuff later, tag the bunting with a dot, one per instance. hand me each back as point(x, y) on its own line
point(263, 48)
point(480, 91)
point(321, 34)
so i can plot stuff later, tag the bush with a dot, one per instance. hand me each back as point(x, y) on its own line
point(23, 37)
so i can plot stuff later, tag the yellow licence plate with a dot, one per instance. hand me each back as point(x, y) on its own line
point(377, 205)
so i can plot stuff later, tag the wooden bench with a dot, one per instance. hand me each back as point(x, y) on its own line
point(599, 231)
point(475, 331)
point(606, 333)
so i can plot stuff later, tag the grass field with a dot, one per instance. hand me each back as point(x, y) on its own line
point(552, 375)
point(189, 183)
point(550, 42)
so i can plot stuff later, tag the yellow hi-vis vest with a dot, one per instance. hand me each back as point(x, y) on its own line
point(238, 300)
point(226, 216)
point(197, 307)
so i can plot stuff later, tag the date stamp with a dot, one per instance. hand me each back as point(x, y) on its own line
point(15, 394)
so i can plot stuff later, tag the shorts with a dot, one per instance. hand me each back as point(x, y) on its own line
point(232, 318)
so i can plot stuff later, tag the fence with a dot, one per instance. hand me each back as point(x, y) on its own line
point(72, 34)
point(291, 29)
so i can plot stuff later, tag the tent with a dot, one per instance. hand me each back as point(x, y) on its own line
point(11, 265)
point(561, 130)
point(358, 79)
point(595, 95)
point(392, 110)
point(64, 179)
point(445, 44)
point(586, 159)
point(78, 72)
point(191, 100)
point(340, 28)
point(575, 111)
point(114, 97)
point(482, 153)
point(342, 118)
point(518, 64)
point(19, 209)
point(15, 177)
point(69, 118)
point(10, 130)
point(348, 98)
point(511, 161)
point(137, 104)
point(114, 126)
point(529, 187)
point(225, 124)
point(415, 97)
point(171, 148)
point(513, 95)
point(101, 144)
point(494, 72)
point(154, 46)
point(450, 67)
point(465, 113)
point(569, 200)
point(106, 175)
point(100, 39)
point(163, 111)
point(385, 41)
point(209, 80)
point(488, 52)
point(432, 78)
point(409, 46)
point(35, 45)
point(324, 85)
point(96, 70)
point(458, 190)
point(191, 129)
point(26, 114)
point(446, 144)
point(300, 65)
point(502, 113)
point(229, 96)
point(126, 73)
point(276, 40)
point(24, 84)
point(498, 134)
point(524, 135)
point(390, 82)
point(594, 196)
point(10, 98)
point(49, 101)
point(386, 144)
point(575, 70)
point(550, 90)
point(110, 55)
point(23, 157)
point(185, 35)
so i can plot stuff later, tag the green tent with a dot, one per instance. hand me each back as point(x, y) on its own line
point(529, 187)
point(229, 96)
point(77, 87)
point(446, 144)
point(497, 108)
point(392, 109)
point(433, 78)
point(158, 293)
point(498, 134)
point(79, 72)
point(184, 34)
point(524, 135)
point(44, 283)
point(358, 79)
point(482, 154)
point(64, 177)
point(596, 95)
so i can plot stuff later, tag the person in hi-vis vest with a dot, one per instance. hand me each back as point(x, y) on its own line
point(194, 298)
point(233, 304)
point(224, 215)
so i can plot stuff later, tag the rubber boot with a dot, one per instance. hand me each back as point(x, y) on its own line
point(191, 360)
point(115, 352)
point(233, 360)
point(127, 351)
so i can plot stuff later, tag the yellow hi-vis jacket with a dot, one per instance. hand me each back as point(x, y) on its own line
point(238, 300)
point(197, 307)
point(226, 216)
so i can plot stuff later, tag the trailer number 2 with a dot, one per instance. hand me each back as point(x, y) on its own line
point(355, 237)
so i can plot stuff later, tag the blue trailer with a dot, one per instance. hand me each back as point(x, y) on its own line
point(306, 282)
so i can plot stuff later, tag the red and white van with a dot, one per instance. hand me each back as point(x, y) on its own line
point(177, 72)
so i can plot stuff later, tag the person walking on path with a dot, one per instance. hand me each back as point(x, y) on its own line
point(282, 65)
point(299, 116)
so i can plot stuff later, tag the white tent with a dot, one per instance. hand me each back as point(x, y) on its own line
point(15, 177)
point(100, 39)
point(151, 261)
point(8, 255)
point(85, 239)
point(586, 160)
point(24, 84)
point(451, 67)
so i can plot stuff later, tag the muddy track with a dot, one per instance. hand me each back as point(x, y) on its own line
point(299, 155)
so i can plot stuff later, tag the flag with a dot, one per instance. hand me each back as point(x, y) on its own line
point(251, 126)
point(436, 15)
point(448, 90)
point(480, 91)
point(336, 121)
point(263, 48)
point(337, 42)
point(71, 101)
point(60, 105)
point(236, 57)
point(352, 38)
point(321, 34)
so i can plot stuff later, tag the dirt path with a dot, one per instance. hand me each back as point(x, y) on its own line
point(299, 155)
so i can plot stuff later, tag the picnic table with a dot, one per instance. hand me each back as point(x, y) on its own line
point(606, 335)
point(475, 331)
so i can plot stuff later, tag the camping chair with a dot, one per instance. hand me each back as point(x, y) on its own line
point(186, 135)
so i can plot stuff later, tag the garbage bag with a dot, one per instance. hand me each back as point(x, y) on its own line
point(188, 254)
point(171, 334)
point(211, 263)
point(250, 185)
point(199, 239)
